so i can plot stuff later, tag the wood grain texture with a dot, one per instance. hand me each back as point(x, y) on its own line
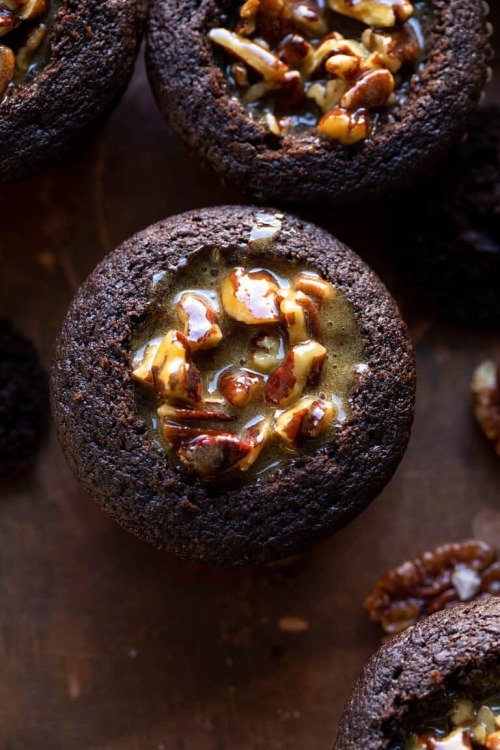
point(106, 644)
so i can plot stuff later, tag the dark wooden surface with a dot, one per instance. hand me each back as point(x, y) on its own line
point(106, 644)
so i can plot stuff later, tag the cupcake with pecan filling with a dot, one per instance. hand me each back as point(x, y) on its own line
point(434, 687)
point(63, 65)
point(233, 384)
point(318, 101)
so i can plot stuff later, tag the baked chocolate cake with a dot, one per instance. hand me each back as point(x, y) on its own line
point(453, 252)
point(63, 66)
point(437, 685)
point(233, 385)
point(318, 101)
point(24, 402)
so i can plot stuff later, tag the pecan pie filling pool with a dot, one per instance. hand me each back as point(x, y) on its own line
point(247, 364)
point(24, 25)
point(331, 65)
point(469, 725)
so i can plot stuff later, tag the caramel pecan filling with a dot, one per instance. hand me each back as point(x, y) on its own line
point(23, 31)
point(293, 68)
point(244, 370)
point(469, 725)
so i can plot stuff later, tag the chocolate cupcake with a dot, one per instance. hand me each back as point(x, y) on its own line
point(435, 686)
point(63, 66)
point(318, 101)
point(24, 402)
point(453, 252)
point(233, 385)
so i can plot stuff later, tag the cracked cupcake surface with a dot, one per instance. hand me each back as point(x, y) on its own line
point(233, 384)
point(329, 65)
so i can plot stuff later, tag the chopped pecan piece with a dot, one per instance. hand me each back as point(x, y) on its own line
point(493, 741)
point(345, 127)
point(310, 16)
point(260, 59)
point(302, 366)
point(175, 377)
point(172, 413)
point(26, 53)
point(294, 50)
point(248, 17)
point(212, 455)
point(437, 579)
point(309, 418)
point(240, 386)
point(395, 48)
point(143, 371)
point(372, 89)
point(457, 740)
point(266, 352)
point(486, 401)
point(327, 94)
point(251, 297)
point(177, 435)
point(199, 320)
point(7, 64)
point(314, 287)
point(32, 9)
point(8, 21)
point(301, 318)
point(378, 13)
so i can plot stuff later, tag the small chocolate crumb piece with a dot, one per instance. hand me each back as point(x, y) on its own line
point(485, 390)
point(436, 580)
point(24, 401)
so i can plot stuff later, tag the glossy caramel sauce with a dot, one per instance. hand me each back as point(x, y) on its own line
point(203, 275)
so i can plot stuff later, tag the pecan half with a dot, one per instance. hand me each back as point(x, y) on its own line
point(199, 320)
point(175, 376)
point(437, 579)
point(486, 401)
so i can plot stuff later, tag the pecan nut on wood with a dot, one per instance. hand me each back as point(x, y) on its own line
point(438, 579)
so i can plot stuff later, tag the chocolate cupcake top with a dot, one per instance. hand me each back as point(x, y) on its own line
point(63, 64)
point(318, 102)
point(418, 680)
point(132, 345)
